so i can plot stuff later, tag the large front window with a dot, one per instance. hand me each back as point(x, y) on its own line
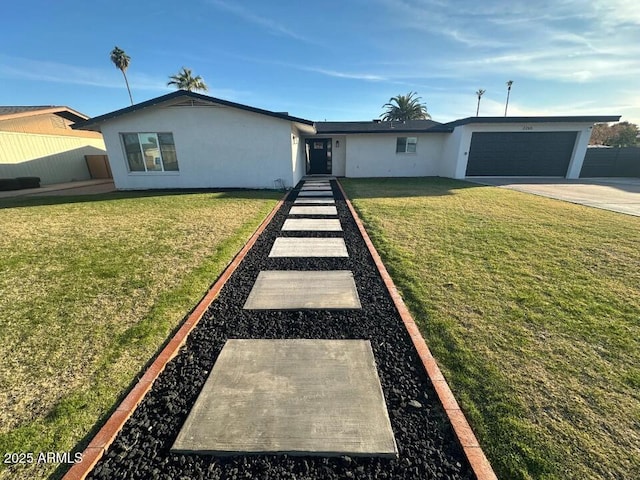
point(406, 144)
point(150, 152)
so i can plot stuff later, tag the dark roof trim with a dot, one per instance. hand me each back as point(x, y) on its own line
point(392, 131)
point(375, 126)
point(564, 119)
point(92, 123)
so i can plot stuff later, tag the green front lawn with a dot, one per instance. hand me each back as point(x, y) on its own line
point(531, 307)
point(90, 289)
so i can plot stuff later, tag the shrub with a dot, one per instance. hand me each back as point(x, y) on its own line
point(29, 182)
point(9, 184)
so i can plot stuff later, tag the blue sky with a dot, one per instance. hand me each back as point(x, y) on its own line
point(333, 60)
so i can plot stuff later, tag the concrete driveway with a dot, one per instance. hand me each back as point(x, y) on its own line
point(616, 194)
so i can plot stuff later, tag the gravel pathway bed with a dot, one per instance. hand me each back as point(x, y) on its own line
point(426, 442)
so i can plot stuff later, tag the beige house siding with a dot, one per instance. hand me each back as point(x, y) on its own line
point(53, 158)
point(46, 124)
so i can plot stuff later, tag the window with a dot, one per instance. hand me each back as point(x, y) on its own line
point(406, 145)
point(150, 152)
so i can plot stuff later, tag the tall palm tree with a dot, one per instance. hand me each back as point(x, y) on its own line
point(509, 83)
point(405, 107)
point(121, 61)
point(479, 93)
point(184, 80)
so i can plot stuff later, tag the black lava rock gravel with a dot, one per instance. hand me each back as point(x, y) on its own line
point(426, 443)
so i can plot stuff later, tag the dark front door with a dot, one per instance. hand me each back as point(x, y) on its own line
point(319, 156)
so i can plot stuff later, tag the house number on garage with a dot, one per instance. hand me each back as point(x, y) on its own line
point(527, 127)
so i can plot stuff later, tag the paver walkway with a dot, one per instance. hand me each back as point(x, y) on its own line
point(314, 210)
point(312, 224)
point(308, 247)
point(300, 397)
point(310, 382)
point(314, 193)
point(315, 201)
point(291, 396)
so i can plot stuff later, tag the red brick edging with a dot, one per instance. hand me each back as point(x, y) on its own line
point(116, 421)
point(472, 450)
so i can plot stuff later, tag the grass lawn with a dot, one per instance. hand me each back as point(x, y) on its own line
point(531, 307)
point(90, 289)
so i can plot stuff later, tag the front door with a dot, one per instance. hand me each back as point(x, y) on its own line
point(319, 156)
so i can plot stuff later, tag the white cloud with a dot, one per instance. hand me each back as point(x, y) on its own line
point(446, 107)
point(440, 19)
point(561, 65)
point(354, 75)
point(614, 13)
point(47, 71)
point(371, 77)
point(565, 40)
point(267, 23)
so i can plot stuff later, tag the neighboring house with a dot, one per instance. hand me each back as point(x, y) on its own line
point(38, 141)
point(189, 140)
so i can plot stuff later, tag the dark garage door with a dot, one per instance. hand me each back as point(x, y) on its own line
point(544, 154)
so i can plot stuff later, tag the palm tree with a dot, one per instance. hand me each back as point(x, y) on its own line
point(405, 107)
point(121, 61)
point(509, 83)
point(183, 80)
point(479, 93)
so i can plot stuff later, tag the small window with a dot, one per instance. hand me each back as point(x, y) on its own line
point(150, 152)
point(406, 144)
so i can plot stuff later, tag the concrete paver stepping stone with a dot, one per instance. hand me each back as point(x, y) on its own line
point(301, 290)
point(295, 397)
point(308, 247)
point(312, 193)
point(314, 200)
point(314, 210)
point(316, 189)
point(312, 225)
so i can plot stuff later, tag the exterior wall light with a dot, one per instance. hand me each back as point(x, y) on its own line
point(337, 143)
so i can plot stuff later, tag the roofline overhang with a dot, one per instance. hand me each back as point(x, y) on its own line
point(391, 130)
point(545, 119)
point(95, 122)
point(70, 113)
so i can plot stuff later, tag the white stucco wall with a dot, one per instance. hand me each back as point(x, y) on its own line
point(339, 163)
point(579, 152)
point(454, 161)
point(452, 154)
point(298, 159)
point(215, 146)
point(374, 155)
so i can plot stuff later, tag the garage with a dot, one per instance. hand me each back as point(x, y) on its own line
point(544, 154)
